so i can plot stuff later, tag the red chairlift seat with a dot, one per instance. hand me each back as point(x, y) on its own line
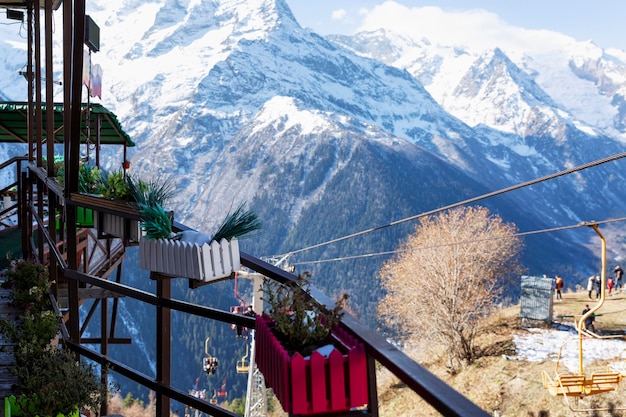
point(222, 391)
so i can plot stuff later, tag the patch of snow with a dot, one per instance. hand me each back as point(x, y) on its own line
point(273, 113)
point(585, 128)
point(502, 163)
point(537, 345)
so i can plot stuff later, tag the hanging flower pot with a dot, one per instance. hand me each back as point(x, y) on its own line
point(84, 218)
point(203, 262)
point(314, 384)
point(112, 225)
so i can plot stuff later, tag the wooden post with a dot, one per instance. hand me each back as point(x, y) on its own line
point(36, 73)
point(163, 345)
point(52, 198)
point(104, 349)
point(24, 216)
point(372, 405)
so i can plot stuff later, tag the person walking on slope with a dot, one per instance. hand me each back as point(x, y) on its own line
point(589, 320)
point(610, 284)
point(597, 283)
point(558, 285)
point(590, 283)
point(619, 273)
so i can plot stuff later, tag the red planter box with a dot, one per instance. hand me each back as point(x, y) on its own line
point(315, 385)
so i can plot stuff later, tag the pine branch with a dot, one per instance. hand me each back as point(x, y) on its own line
point(240, 223)
point(156, 222)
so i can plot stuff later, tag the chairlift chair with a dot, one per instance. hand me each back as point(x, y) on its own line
point(209, 363)
point(242, 332)
point(243, 365)
point(222, 391)
point(236, 310)
point(239, 309)
point(579, 385)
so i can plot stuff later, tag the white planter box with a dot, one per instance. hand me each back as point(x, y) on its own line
point(206, 262)
point(115, 226)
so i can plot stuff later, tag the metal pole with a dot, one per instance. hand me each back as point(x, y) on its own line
point(597, 307)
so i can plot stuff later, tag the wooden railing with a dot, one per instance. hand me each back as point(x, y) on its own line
point(434, 391)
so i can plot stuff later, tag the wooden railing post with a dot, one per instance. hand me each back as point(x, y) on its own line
point(24, 218)
point(372, 388)
point(104, 349)
point(163, 346)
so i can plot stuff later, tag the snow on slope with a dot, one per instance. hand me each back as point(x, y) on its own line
point(538, 345)
point(440, 57)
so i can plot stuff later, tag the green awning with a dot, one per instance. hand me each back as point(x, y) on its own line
point(13, 124)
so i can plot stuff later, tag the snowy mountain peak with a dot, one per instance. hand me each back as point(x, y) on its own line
point(495, 92)
point(254, 19)
point(208, 23)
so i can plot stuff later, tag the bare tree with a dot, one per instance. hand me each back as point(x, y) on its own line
point(447, 277)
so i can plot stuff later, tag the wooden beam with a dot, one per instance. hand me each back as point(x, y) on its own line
point(97, 293)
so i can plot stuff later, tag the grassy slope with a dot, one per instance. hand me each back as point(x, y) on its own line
point(513, 388)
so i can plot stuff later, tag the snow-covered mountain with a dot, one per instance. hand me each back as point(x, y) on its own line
point(326, 137)
point(240, 103)
point(582, 78)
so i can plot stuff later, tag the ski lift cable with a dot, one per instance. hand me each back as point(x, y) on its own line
point(532, 232)
point(464, 202)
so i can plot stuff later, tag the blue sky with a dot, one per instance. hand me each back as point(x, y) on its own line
point(603, 21)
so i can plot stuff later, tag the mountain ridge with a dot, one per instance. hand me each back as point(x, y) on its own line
point(252, 76)
point(325, 137)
